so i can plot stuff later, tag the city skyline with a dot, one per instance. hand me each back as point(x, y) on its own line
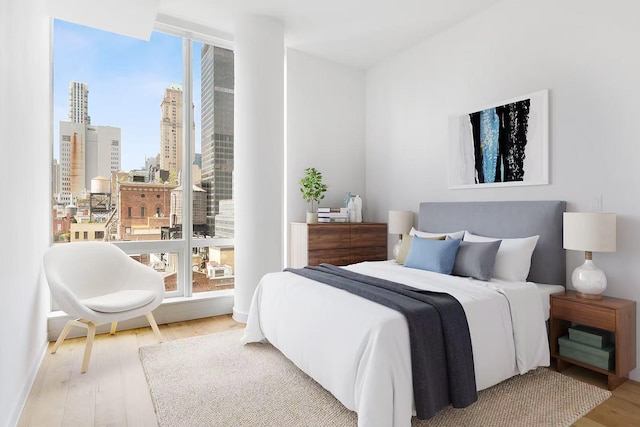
point(126, 79)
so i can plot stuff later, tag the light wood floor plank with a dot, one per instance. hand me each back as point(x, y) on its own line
point(138, 404)
point(182, 330)
point(114, 390)
point(80, 404)
point(32, 401)
point(51, 399)
point(586, 422)
point(110, 385)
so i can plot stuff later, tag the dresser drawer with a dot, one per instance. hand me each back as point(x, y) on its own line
point(584, 314)
point(329, 236)
point(368, 254)
point(368, 235)
point(330, 256)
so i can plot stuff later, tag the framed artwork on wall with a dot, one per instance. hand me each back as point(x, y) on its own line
point(501, 145)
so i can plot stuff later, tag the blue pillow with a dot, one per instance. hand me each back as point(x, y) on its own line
point(432, 255)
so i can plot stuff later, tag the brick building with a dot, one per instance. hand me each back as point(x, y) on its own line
point(143, 209)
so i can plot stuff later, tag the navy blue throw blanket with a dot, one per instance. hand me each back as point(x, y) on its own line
point(441, 352)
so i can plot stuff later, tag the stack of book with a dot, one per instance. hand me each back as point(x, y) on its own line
point(333, 214)
point(589, 345)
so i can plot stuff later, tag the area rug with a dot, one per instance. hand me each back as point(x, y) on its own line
point(213, 380)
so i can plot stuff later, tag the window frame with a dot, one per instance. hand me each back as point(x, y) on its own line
point(189, 33)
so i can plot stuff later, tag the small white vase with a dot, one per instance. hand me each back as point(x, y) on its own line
point(312, 217)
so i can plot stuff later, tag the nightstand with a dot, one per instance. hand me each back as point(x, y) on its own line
point(611, 314)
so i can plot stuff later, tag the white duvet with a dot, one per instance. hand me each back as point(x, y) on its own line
point(359, 350)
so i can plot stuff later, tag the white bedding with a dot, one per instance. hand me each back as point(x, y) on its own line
point(359, 350)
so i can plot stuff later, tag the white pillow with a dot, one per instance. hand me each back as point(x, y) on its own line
point(513, 259)
point(426, 234)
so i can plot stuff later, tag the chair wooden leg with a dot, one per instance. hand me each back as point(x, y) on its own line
point(91, 333)
point(114, 325)
point(63, 336)
point(154, 326)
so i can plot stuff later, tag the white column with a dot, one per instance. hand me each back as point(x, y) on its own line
point(259, 154)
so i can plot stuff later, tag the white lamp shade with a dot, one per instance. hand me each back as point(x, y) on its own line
point(400, 222)
point(589, 231)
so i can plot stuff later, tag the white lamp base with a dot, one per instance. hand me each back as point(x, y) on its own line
point(589, 281)
point(396, 249)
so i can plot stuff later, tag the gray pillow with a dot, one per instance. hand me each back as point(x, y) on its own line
point(476, 259)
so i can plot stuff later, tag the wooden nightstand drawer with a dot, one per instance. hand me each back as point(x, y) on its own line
point(584, 314)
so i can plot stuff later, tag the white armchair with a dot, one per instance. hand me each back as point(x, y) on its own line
point(98, 283)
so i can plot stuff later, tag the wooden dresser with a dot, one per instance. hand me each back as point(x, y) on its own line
point(337, 243)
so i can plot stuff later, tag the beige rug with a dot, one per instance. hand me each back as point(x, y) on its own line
point(213, 380)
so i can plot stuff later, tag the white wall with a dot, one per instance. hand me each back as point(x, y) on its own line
point(25, 176)
point(325, 129)
point(584, 51)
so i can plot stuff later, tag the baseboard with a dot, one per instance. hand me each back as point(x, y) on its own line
point(24, 394)
point(240, 316)
point(171, 310)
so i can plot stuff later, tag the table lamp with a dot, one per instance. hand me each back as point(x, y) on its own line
point(400, 222)
point(589, 232)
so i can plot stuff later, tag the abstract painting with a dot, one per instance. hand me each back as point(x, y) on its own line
point(504, 144)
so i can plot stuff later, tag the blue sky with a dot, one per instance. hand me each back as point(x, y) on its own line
point(126, 79)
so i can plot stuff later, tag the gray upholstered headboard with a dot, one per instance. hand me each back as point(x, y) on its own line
point(507, 219)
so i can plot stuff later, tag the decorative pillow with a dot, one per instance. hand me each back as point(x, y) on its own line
point(476, 259)
point(406, 244)
point(425, 234)
point(432, 255)
point(513, 259)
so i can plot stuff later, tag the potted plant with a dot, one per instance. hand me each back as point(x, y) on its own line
point(312, 190)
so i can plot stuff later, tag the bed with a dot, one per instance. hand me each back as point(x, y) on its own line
point(359, 350)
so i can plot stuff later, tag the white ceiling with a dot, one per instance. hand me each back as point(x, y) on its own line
point(354, 32)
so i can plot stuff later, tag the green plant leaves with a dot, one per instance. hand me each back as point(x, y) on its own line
point(311, 186)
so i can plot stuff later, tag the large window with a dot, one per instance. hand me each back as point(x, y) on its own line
point(121, 157)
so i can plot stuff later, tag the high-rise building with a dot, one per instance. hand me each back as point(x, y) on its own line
point(102, 152)
point(225, 219)
point(86, 152)
point(217, 92)
point(79, 103)
point(152, 162)
point(55, 179)
point(171, 129)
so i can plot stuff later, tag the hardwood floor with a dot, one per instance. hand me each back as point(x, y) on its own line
point(114, 391)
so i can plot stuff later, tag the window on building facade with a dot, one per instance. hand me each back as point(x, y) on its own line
point(118, 103)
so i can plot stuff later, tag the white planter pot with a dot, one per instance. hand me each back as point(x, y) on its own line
point(312, 217)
